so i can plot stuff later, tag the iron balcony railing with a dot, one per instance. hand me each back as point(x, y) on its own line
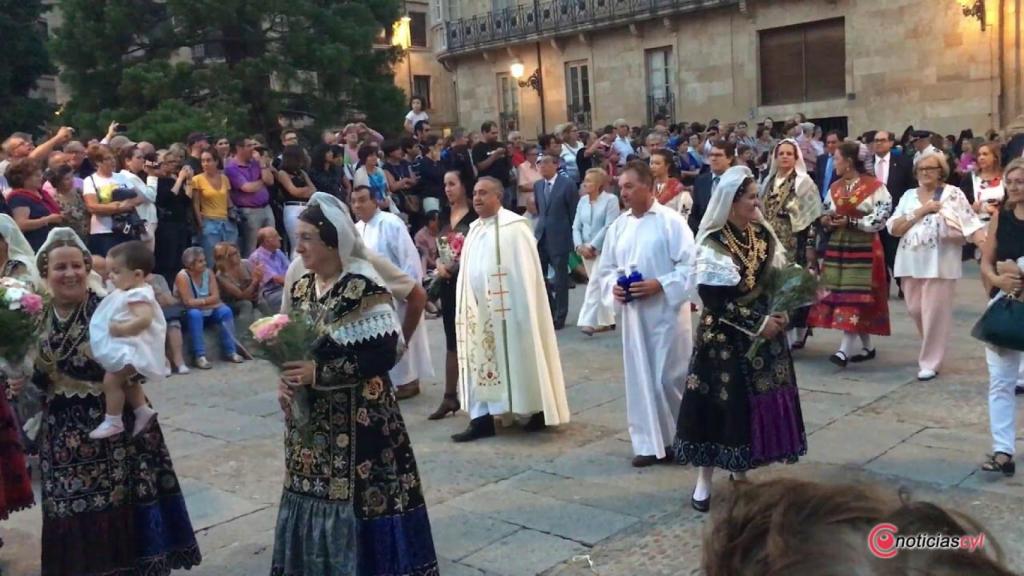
point(558, 17)
point(661, 105)
point(579, 114)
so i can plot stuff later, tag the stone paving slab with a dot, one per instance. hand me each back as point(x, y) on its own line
point(857, 440)
point(209, 506)
point(940, 466)
point(568, 520)
point(524, 553)
point(459, 533)
point(637, 502)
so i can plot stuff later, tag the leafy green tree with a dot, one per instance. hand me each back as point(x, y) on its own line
point(134, 61)
point(24, 60)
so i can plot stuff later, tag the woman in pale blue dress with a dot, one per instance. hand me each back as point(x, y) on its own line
point(596, 211)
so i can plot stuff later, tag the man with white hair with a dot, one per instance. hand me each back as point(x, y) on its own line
point(805, 131)
point(508, 354)
point(622, 144)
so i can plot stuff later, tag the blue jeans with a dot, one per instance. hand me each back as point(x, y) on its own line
point(225, 320)
point(215, 231)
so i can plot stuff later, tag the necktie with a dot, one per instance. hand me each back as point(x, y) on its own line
point(714, 183)
point(828, 178)
point(882, 172)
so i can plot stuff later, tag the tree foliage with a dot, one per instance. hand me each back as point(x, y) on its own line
point(25, 59)
point(133, 61)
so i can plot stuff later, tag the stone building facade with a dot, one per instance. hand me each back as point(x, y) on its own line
point(856, 64)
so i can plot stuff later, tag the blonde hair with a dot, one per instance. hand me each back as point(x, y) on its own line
point(600, 174)
point(1014, 165)
point(221, 252)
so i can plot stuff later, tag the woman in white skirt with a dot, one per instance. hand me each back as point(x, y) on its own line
point(596, 211)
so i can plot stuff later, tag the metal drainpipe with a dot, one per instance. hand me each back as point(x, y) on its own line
point(540, 92)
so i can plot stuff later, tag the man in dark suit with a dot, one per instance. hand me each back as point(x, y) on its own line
point(1014, 149)
point(556, 198)
point(897, 173)
point(721, 157)
point(825, 175)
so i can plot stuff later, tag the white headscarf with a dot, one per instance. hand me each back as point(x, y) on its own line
point(351, 249)
point(804, 205)
point(720, 205)
point(18, 248)
point(715, 268)
point(68, 237)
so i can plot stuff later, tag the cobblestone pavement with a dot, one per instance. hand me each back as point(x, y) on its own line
point(566, 502)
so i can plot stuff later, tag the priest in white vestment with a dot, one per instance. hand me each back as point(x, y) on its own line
point(387, 235)
point(508, 354)
point(657, 336)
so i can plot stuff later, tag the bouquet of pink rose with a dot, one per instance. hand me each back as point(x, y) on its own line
point(287, 338)
point(449, 249)
point(21, 317)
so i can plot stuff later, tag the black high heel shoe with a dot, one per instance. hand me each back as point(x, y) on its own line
point(450, 405)
point(802, 343)
point(702, 506)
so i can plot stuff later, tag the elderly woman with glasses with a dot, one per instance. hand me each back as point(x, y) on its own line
point(200, 294)
point(932, 221)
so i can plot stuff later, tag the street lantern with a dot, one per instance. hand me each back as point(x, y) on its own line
point(401, 33)
point(975, 8)
point(517, 69)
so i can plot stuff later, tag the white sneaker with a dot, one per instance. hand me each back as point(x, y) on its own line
point(183, 369)
point(925, 375)
point(107, 429)
point(202, 363)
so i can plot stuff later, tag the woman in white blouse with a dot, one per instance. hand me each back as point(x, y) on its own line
point(596, 211)
point(132, 163)
point(933, 222)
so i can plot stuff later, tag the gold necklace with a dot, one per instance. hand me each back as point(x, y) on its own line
point(750, 254)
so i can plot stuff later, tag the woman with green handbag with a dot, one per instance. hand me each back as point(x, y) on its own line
point(1000, 272)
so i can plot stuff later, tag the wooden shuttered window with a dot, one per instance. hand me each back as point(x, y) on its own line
point(803, 63)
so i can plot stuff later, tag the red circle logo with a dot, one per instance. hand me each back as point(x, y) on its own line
point(882, 541)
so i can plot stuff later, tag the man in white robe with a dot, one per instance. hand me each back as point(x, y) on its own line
point(386, 234)
point(657, 336)
point(508, 354)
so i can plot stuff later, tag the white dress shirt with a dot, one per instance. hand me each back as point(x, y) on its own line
point(882, 165)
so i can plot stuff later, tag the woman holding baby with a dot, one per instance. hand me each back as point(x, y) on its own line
point(933, 223)
point(1000, 271)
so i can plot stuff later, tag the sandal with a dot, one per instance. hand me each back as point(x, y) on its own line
point(1008, 467)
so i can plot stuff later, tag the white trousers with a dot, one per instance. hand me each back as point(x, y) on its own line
point(291, 224)
point(1004, 371)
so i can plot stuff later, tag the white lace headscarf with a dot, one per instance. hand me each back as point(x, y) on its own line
point(715, 268)
point(805, 202)
point(18, 249)
point(351, 249)
point(68, 237)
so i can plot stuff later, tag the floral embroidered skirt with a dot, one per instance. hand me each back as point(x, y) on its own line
point(352, 502)
point(15, 485)
point(739, 414)
point(853, 273)
point(110, 507)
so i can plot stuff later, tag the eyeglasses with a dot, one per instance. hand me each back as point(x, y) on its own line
point(929, 169)
point(880, 140)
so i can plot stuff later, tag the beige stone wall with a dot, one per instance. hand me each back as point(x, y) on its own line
point(1012, 29)
point(914, 62)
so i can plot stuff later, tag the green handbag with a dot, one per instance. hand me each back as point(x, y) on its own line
point(1001, 324)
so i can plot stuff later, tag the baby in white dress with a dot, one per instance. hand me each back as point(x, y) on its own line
point(126, 334)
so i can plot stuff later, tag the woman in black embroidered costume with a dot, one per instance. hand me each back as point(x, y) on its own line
point(737, 413)
point(353, 502)
point(113, 506)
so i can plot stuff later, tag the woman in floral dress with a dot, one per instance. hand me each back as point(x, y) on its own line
point(737, 413)
point(110, 507)
point(353, 502)
point(853, 267)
